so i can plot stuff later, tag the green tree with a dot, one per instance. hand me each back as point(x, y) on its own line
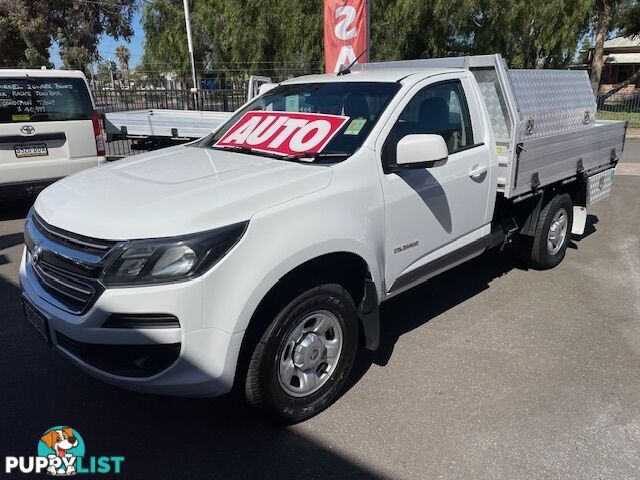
point(630, 19)
point(22, 41)
point(402, 29)
point(28, 28)
point(123, 55)
point(247, 35)
point(165, 48)
point(530, 34)
point(233, 36)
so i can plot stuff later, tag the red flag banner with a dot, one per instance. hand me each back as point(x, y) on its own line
point(345, 32)
point(283, 133)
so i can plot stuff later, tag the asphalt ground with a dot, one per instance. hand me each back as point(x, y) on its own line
point(486, 372)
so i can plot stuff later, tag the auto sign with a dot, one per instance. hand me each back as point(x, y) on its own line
point(283, 133)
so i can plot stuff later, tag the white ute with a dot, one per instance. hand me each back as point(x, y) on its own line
point(258, 256)
point(49, 128)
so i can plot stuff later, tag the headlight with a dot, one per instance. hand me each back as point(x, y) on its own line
point(164, 260)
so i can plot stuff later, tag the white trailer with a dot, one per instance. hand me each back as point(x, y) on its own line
point(156, 128)
point(178, 124)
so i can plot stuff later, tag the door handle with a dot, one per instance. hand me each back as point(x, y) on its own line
point(477, 171)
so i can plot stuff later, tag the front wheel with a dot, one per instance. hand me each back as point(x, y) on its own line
point(553, 231)
point(305, 355)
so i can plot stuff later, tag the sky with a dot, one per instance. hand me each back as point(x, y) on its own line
point(107, 45)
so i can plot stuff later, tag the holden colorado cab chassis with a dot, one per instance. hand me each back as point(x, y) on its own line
point(257, 256)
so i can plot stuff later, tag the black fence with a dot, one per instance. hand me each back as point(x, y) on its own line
point(122, 100)
point(226, 100)
point(620, 106)
point(224, 90)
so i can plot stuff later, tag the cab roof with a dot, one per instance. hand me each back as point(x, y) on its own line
point(377, 75)
point(36, 72)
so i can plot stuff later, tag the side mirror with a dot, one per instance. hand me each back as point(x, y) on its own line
point(421, 151)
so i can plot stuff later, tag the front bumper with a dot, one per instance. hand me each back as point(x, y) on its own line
point(204, 364)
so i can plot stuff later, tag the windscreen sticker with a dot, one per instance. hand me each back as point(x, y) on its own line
point(355, 126)
point(292, 103)
point(20, 118)
point(283, 133)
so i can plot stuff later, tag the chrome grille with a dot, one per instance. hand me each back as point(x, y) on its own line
point(69, 289)
point(67, 266)
point(72, 240)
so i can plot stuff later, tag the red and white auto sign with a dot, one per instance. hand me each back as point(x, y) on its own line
point(283, 133)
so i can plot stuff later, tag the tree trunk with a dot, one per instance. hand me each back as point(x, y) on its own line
point(603, 11)
point(527, 54)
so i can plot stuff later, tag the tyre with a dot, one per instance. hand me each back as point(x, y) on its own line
point(548, 246)
point(305, 355)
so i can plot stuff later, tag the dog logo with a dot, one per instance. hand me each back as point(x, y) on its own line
point(62, 446)
point(28, 130)
point(61, 453)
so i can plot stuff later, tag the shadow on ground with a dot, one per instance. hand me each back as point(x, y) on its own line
point(164, 437)
point(161, 437)
point(15, 209)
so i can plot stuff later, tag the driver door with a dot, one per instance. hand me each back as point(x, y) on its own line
point(435, 217)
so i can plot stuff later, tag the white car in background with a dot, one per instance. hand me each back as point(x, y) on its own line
point(49, 128)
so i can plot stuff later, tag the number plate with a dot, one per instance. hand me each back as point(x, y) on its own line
point(39, 150)
point(37, 321)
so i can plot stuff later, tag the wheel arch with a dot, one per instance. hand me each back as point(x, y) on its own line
point(346, 268)
point(527, 212)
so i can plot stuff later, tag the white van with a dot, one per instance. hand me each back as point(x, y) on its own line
point(49, 128)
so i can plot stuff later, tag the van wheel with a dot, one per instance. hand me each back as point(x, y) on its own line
point(304, 357)
point(553, 232)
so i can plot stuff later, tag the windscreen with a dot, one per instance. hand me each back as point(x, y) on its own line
point(359, 104)
point(44, 99)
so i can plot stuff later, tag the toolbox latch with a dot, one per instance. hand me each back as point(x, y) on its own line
point(535, 181)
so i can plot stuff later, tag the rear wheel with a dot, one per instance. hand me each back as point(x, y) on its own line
point(305, 355)
point(549, 244)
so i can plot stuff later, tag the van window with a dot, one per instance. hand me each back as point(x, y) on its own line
point(44, 99)
point(441, 109)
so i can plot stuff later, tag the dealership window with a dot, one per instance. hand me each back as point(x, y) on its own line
point(624, 72)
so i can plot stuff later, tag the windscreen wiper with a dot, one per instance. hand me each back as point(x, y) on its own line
point(246, 150)
point(315, 155)
point(312, 156)
point(239, 149)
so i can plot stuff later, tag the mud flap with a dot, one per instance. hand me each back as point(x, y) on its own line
point(579, 220)
point(369, 314)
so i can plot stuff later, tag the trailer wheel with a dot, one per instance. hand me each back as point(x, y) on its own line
point(548, 246)
point(305, 355)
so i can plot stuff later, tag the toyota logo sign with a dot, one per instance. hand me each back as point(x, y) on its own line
point(28, 130)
